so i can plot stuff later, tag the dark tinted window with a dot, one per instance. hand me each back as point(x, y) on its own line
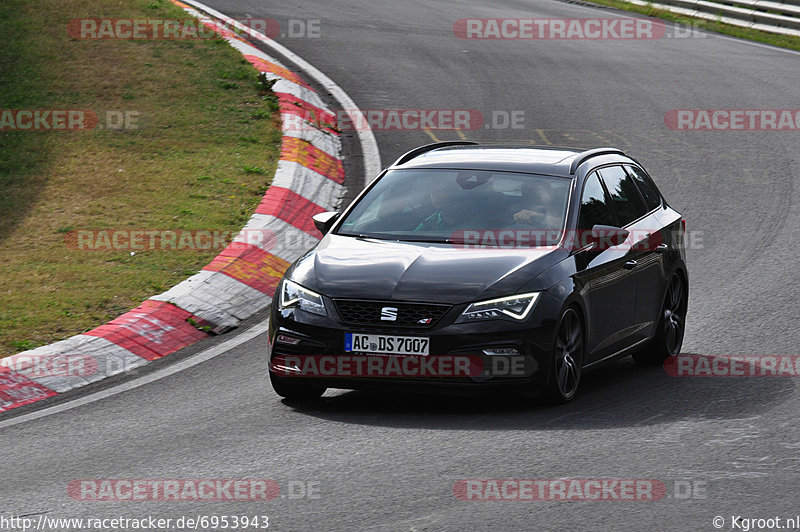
point(646, 187)
point(624, 194)
point(439, 205)
point(594, 205)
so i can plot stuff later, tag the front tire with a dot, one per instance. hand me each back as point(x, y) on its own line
point(567, 359)
point(671, 325)
point(296, 388)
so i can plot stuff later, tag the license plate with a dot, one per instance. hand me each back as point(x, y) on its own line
point(386, 344)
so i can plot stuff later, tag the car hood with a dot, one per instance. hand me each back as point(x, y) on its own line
point(361, 268)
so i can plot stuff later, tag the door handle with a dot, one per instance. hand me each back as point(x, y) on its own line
point(661, 248)
point(631, 264)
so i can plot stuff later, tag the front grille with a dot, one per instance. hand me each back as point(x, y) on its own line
point(411, 315)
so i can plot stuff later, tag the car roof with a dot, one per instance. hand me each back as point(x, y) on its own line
point(550, 160)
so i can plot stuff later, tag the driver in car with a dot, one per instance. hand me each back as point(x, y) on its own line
point(535, 197)
point(451, 211)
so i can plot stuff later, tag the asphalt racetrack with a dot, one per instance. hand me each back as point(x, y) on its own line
point(355, 461)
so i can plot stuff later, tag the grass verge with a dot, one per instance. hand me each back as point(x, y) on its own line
point(774, 39)
point(199, 156)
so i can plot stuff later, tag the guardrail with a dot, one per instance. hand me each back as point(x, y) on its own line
point(765, 15)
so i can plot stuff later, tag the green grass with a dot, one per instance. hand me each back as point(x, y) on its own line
point(774, 39)
point(206, 146)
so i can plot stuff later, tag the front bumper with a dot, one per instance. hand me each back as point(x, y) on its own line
point(312, 347)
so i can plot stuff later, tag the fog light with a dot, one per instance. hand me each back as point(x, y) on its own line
point(502, 351)
point(284, 339)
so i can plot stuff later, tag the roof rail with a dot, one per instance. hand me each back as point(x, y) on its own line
point(428, 147)
point(588, 154)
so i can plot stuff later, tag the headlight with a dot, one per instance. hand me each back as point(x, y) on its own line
point(516, 307)
point(295, 296)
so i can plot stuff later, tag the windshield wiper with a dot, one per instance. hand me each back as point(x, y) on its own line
point(427, 240)
point(402, 238)
point(362, 236)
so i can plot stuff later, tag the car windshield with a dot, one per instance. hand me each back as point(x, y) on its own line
point(462, 206)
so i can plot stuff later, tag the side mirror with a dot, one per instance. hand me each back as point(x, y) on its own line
point(323, 221)
point(606, 236)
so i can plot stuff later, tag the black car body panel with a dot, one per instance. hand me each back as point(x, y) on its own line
point(408, 271)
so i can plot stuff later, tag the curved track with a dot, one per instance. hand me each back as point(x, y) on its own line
point(391, 462)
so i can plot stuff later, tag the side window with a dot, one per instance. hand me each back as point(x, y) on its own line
point(624, 194)
point(651, 196)
point(594, 205)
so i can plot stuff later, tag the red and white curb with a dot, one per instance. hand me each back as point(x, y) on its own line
point(236, 284)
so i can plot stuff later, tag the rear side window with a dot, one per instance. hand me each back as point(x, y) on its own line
point(595, 209)
point(624, 194)
point(649, 192)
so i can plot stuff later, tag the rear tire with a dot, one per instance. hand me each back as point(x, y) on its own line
point(296, 388)
point(671, 325)
point(566, 363)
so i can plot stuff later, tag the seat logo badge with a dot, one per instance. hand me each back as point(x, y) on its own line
point(389, 314)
